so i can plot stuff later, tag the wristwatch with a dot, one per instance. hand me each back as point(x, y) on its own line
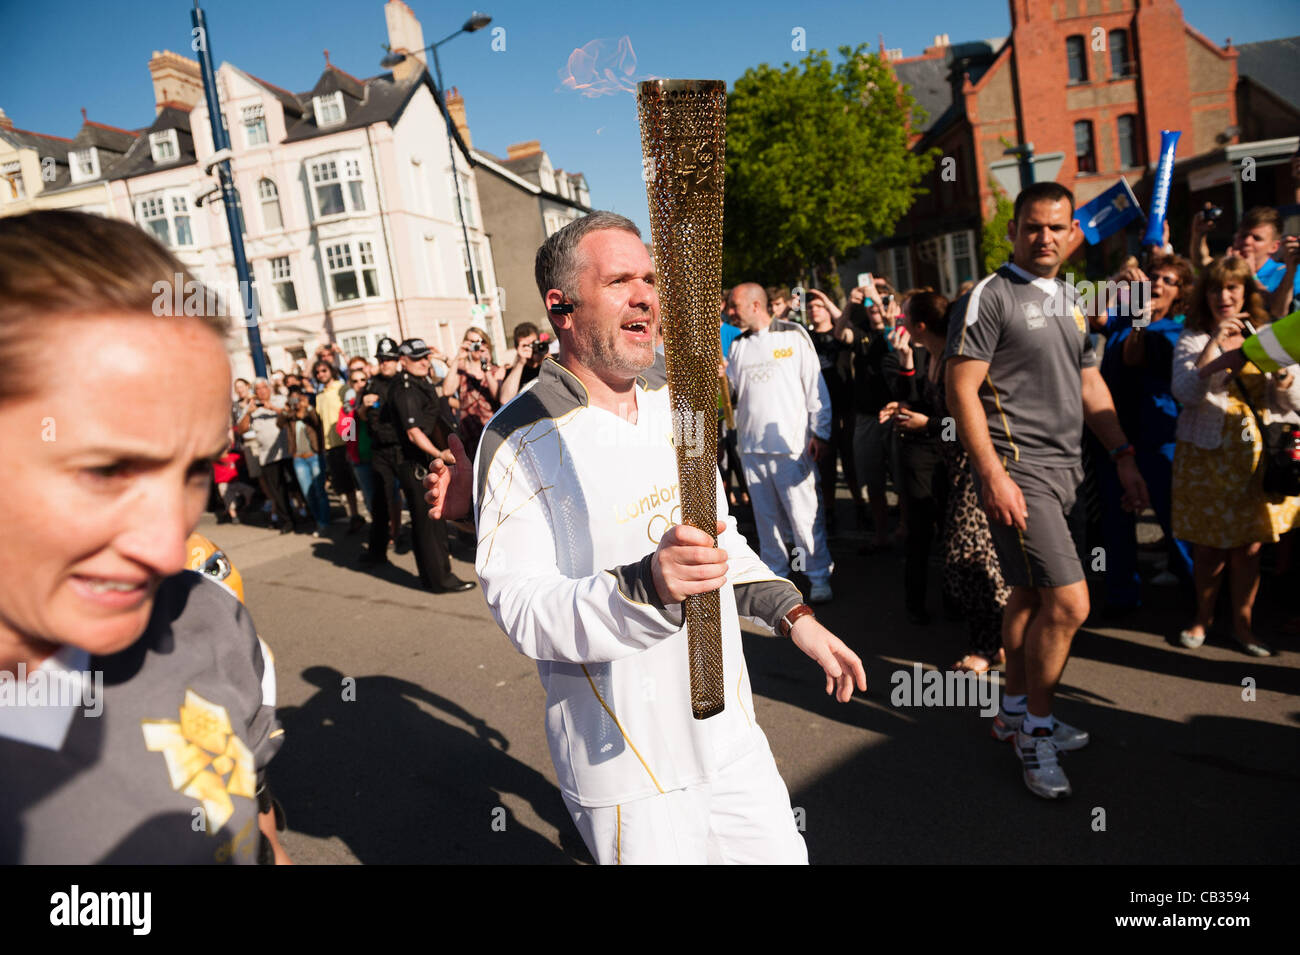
point(794, 613)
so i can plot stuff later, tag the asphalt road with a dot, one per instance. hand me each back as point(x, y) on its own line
point(440, 755)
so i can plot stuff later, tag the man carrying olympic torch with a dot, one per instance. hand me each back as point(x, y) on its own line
point(584, 563)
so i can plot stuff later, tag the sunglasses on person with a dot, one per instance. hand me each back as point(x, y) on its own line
point(1165, 279)
point(359, 379)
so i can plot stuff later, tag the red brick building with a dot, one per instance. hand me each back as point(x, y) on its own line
point(1096, 80)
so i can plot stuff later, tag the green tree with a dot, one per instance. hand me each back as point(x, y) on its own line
point(993, 239)
point(818, 164)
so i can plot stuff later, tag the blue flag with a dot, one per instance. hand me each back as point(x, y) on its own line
point(1108, 213)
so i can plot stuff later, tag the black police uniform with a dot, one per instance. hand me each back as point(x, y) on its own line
point(385, 461)
point(416, 403)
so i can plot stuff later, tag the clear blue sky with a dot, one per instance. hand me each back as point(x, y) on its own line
point(58, 57)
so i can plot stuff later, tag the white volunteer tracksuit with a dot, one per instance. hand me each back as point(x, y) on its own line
point(571, 501)
point(781, 401)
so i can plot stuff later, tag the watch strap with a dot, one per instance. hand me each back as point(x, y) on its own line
point(793, 614)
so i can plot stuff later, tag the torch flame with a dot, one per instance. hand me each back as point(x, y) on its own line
point(594, 69)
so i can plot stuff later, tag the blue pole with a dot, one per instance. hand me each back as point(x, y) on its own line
point(229, 197)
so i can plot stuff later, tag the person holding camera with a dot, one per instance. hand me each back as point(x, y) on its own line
point(415, 407)
point(475, 379)
point(1219, 504)
point(1136, 366)
point(875, 381)
point(305, 446)
point(1257, 240)
point(832, 340)
point(328, 407)
point(531, 349)
point(262, 417)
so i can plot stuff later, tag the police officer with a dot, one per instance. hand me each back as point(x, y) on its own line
point(416, 408)
point(386, 453)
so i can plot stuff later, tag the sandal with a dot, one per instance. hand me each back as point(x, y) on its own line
point(971, 663)
point(1254, 646)
point(967, 665)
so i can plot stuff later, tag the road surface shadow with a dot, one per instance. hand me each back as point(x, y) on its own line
point(398, 784)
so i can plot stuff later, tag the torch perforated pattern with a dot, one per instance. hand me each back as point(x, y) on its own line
point(683, 125)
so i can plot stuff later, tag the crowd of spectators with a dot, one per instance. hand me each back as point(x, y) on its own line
point(1197, 439)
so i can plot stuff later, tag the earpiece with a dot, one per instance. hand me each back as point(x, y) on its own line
point(561, 308)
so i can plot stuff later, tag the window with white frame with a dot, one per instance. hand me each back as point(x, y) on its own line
point(355, 345)
point(466, 201)
point(84, 164)
point(963, 258)
point(163, 146)
point(953, 256)
point(269, 197)
point(12, 174)
point(547, 175)
point(166, 216)
point(337, 186)
point(329, 109)
point(478, 268)
point(899, 265)
point(351, 270)
point(254, 125)
point(282, 281)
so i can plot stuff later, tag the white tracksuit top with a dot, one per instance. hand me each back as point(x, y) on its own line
point(571, 501)
point(780, 397)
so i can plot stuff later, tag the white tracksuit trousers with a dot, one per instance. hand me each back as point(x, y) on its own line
point(787, 507)
point(742, 816)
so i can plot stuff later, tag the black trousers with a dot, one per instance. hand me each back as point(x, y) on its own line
point(276, 484)
point(733, 473)
point(841, 446)
point(922, 513)
point(921, 462)
point(384, 464)
point(428, 537)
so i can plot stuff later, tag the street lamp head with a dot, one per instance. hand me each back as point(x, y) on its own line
point(392, 59)
point(477, 21)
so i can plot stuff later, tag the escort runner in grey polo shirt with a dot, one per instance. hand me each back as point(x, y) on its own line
point(1035, 339)
point(167, 767)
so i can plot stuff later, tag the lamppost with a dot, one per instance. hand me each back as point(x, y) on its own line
point(220, 159)
point(477, 21)
point(1025, 154)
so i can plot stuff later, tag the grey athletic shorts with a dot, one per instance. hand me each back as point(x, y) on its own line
point(1043, 554)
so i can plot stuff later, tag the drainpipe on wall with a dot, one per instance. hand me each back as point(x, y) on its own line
point(383, 228)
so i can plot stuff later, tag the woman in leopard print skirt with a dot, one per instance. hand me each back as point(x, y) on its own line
point(972, 579)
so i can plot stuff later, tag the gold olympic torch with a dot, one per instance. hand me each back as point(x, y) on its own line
point(683, 133)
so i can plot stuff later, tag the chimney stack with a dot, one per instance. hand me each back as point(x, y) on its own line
point(456, 110)
point(5, 121)
point(176, 81)
point(405, 35)
point(519, 150)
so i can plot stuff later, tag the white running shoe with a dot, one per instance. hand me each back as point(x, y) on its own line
point(1066, 737)
point(1042, 769)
